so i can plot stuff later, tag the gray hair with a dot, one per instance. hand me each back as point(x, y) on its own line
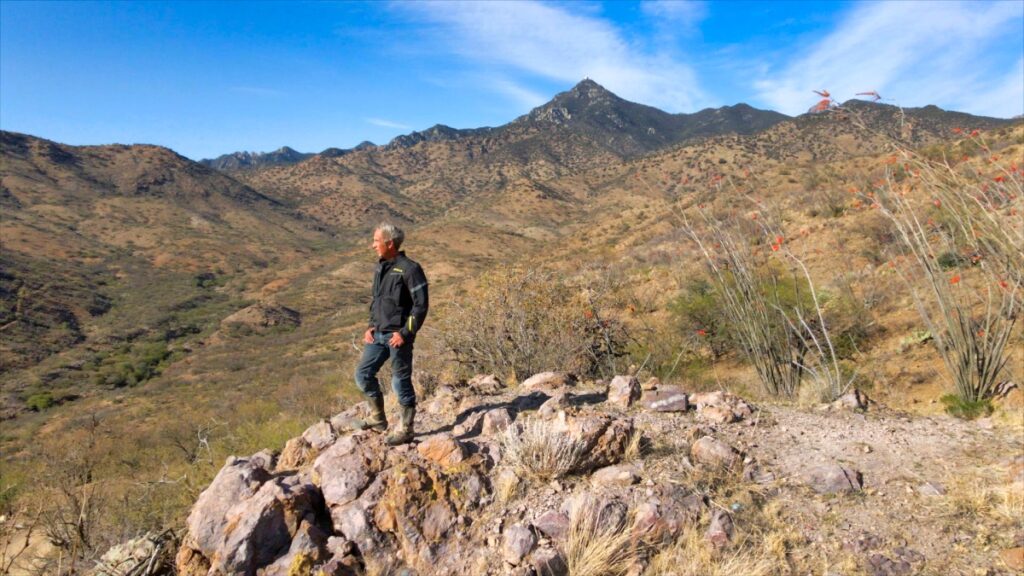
point(391, 232)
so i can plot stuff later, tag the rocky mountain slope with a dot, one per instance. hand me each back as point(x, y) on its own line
point(164, 315)
point(558, 478)
point(240, 160)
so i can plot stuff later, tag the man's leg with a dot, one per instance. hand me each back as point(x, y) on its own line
point(401, 383)
point(374, 356)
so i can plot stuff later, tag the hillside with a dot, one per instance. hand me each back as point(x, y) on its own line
point(123, 269)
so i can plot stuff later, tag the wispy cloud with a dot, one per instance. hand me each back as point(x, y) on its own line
point(913, 53)
point(387, 123)
point(258, 91)
point(529, 98)
point(549, 42)
point(676, 12)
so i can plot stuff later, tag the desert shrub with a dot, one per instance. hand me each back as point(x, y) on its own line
point(966, 409)
point(535, 448)
point(700, 313)
point(519, 321)
point(970, 303)
point(39, 402)
point(773, 312)
point(131, 365)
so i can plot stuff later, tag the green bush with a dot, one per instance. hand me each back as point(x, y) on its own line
point(699, 313)
point(966, 409)
point(39, 402)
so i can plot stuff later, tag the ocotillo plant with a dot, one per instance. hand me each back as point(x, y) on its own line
point(962, 232)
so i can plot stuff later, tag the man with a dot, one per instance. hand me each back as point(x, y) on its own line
point(397, 312)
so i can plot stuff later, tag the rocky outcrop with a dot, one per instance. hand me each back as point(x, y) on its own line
point(339, 501)
point(260, 317)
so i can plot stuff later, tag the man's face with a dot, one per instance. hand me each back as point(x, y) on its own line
point(384, 248)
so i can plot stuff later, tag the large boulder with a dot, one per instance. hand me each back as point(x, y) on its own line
point(238, 481)
point(344, 472)
point(261, 528)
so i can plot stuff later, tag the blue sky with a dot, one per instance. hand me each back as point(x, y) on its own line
point(210, 78)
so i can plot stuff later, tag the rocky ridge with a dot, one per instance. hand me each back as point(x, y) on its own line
point(339, 502)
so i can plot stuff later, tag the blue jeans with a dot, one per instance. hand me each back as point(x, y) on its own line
point(374, 356)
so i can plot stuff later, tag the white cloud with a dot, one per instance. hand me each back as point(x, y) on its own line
point(527, 97)
point(913, 54)
point(547, 41)
point(387, 123)
point(680, 13)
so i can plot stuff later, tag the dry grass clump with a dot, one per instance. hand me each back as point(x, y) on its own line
point(535, 448)
point(693, 555)
point(599, 542)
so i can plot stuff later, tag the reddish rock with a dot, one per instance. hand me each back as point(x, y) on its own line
point(717, 414)
point(854, 400)
point(442, 449)
point(552, 524)
point(548, 562)
point(486, 384)
point(624, 391)
point(714, 452)
point(666, 399)
point(719, 533)
point(651, 383)
point(559, 401)
point(1013, 558)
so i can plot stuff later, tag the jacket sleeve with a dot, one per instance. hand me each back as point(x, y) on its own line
point(416, 280)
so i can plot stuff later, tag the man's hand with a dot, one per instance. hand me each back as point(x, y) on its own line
point(368, 336)
point(396, 340)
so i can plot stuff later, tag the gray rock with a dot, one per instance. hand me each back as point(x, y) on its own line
point(237, 481)
point(832, 478)
point(620, 475)
point(319, 435)
point(517, 542)
point(496, 421)
point(262, 527)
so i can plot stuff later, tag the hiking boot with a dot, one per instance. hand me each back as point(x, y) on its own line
point(378, 420)
point(404, 433)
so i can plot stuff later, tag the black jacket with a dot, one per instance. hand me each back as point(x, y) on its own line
point(400, 299)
